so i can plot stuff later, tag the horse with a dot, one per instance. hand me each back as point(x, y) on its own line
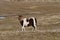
point(26, 22)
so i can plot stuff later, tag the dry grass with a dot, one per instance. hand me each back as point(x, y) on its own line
point(30, 36)
point(47, 15)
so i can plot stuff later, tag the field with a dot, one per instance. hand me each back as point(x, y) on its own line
point(48, 20)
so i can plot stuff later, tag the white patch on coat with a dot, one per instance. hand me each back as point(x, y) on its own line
point(25, 23)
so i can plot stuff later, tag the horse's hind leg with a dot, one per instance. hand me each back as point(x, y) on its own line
point(34, 28)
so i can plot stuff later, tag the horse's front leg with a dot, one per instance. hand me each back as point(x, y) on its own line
point(23, 28)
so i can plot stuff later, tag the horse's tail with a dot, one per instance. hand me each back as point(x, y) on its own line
point(36, 21)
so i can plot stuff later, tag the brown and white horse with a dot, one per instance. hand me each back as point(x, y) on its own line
point(25, 22)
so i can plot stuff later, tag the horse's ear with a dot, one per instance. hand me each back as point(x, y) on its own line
point(20, 16)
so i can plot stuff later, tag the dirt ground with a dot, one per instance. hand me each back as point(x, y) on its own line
point(46, 13)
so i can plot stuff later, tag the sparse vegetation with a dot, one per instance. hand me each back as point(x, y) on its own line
point(47, 14)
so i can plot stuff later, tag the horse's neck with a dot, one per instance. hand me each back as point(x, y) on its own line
point(23, 18)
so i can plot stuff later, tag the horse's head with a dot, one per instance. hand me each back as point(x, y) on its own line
point(20, 17)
